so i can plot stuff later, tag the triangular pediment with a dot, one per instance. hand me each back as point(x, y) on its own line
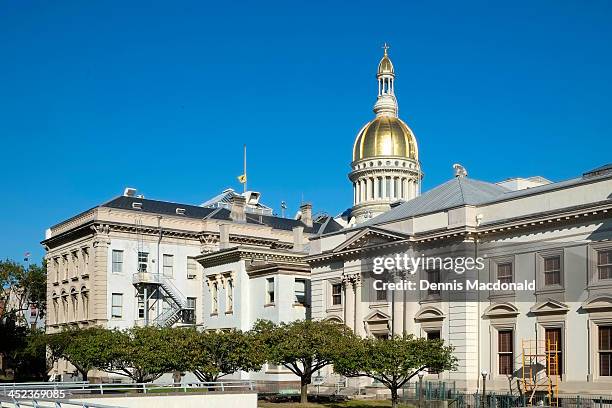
point(598, 302)
point(429, 313)
point(369, 237)
point(377, 316)
point(549, 306)
point(505, 309)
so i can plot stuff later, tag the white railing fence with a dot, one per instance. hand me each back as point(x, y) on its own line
point(73, 388)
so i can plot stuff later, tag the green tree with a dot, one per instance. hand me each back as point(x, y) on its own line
point(212, 355)
point(81, 347)
point(394, 361)
point(21, 288)
point(141, 353)
point(304, 346)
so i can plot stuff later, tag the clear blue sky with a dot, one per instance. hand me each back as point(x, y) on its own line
point(96, 96)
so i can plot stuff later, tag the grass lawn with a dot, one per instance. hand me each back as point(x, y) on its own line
point(343, 404)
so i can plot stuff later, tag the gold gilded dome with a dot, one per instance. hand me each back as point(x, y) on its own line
point(385, 136)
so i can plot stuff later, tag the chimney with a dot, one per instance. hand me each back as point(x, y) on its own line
point(237, 208)
point(224, 241)
point(298, 239)
point(306, 210)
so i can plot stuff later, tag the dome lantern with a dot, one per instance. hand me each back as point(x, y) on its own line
point(385, 166)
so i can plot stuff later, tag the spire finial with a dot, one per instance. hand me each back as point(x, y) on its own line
point(385, 47)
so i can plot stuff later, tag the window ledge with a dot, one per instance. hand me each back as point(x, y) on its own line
point(56, 283)
point(550, 289)
point(229, 312)
point(64, 280)
point(85, 275)
point(499, 294)
point(600, 284)
point(269, 305)
point(378, 304)
point(334, 308)
point(214, 314)
point(297, 304)
point(74, 278)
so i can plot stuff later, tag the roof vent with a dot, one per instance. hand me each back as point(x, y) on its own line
point(129, 192)
point(180, 211)
point(137, 206)
point(460, 171)
point(252, 197)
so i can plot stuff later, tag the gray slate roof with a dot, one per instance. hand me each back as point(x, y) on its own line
point(456, 192)
point(321, 226)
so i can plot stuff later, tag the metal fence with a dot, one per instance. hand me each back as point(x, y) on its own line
point(72, 388)
point(446, 391)
point(50, 403)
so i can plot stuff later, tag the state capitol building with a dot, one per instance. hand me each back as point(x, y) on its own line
point(229, 261)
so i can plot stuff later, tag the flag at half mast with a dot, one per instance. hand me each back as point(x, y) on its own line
point(243, 177)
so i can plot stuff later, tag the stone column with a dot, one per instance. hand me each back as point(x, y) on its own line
point(384, 187)
point(349, 302)
point(98, 282)
point(392, 185)
point(376, 186)
point(358, 312)
point(399, 312)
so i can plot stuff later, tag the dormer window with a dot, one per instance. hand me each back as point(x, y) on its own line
point(180, 211)
point(137, 206)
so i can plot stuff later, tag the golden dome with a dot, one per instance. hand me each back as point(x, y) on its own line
point(385, 136)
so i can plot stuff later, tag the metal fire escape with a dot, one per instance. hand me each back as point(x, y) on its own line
point(151, 284)
point(159, 289)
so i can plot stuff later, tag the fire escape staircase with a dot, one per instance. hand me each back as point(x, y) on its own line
point(175, 299)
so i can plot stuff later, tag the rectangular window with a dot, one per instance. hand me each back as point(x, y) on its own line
point(604, 264)
point(605, 351)
point(168, 265)
point(75, 264)
point(214, 296)
point(433, 276)
point(117, 308)
point(337, 294)
point(269, 290)
point(230, 295)
point(192, 268)
point(190, 313)
point(143, 261)
point(554, 349)
point(141, 305)
point(300, 291)
point(381, 295)
point(56, 266)
point(552, 270)
point(433, 335)
point(504, 272)
point(505, 351)
point(117, 261)
point(85, 255)
point(65, 266)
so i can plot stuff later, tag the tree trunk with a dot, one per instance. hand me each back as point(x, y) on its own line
point(304, 389)
point(394, 397)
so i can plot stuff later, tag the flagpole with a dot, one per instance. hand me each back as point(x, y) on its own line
point(245, 172)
